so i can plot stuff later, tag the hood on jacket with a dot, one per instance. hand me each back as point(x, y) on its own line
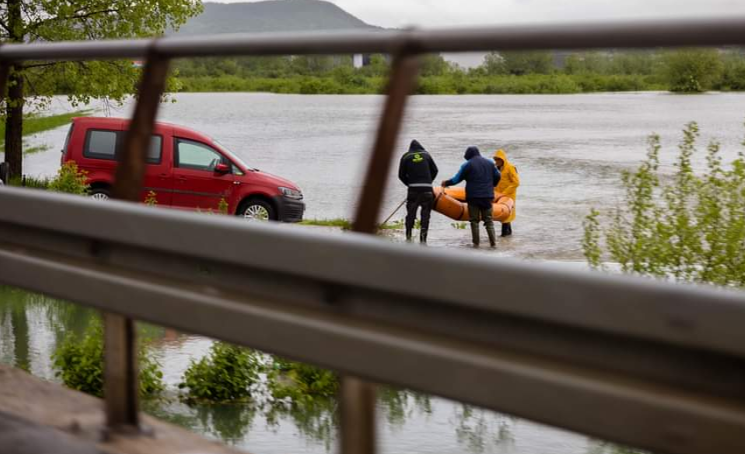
point(471, 152)
point(415, 146)
point(501, 155)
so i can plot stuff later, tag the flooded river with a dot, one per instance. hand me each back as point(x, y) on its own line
point(569, 150)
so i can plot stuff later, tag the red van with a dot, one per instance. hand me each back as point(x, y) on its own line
point(185, 169)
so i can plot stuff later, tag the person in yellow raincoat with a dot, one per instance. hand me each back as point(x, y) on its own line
point(507, 186)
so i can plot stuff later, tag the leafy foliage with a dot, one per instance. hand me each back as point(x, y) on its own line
point(62, 20)
point(506, 72)
point(222, 206)
point(223, 376)
point(687, 227)
point(70, 180)
point(692, 70)
point(80, 364)
point(301, 382)
point(151, 199)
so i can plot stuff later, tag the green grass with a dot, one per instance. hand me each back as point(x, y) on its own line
point(396, 225)
point(36, 149)
point(31, 182)
point(344, 224)
point(33, 124)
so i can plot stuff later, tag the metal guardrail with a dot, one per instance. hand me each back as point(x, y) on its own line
point(629, 360)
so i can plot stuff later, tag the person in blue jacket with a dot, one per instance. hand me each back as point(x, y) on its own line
point(481, 177)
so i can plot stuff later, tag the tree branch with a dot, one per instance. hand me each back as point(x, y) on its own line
point(4, 26)
point(41, 65)
point(77, 16)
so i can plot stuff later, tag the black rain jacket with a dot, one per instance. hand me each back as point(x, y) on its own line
point(417, 169)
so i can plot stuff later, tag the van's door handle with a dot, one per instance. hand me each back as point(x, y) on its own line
point(181, 178)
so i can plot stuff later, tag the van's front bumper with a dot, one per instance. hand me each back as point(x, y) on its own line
point(289, 210)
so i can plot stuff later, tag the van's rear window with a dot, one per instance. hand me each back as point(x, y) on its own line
point(105, 144)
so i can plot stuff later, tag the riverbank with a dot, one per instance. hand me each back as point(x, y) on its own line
point(34, 124)
point(432, 85)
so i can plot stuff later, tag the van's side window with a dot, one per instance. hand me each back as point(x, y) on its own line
point(100, 144)
point(196, 156)
point(155, 150)
point(103, 144)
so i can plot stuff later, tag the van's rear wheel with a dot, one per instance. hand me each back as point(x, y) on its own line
point(100, 194)
point(257, 210)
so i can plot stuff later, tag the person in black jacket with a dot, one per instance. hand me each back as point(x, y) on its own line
point(481, 177)
point(417, 170)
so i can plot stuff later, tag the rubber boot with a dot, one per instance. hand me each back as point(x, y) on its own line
point(492, 235)
point(423, 236)
point(408, 234)
point(506, 229)
point(475, 234)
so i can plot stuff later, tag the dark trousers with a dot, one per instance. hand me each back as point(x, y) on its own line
point(416, 198)
point(480, 212)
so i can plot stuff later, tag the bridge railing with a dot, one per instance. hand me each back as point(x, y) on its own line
point(649, 364)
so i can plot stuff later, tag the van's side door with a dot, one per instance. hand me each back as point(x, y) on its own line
point(196, 184)
point(158, 176)
point(102, 148)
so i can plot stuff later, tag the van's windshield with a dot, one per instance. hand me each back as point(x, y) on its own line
point(232, 155)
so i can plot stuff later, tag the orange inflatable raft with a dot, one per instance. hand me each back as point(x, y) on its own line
point(452, 203)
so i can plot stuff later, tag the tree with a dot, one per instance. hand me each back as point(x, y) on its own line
point(75, 20)
point(733, 74)
point(433, 65)
point(520, 63)
point(493, 64)
point(692, 70)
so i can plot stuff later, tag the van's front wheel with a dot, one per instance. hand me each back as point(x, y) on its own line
point(100, 194)
point(257, 210)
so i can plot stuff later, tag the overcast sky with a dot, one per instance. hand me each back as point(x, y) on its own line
point(438, 13)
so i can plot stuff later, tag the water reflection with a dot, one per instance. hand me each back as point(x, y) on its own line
point(32, 325)
point(479, 431)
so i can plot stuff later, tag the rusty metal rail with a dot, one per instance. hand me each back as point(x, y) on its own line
point(647, 364)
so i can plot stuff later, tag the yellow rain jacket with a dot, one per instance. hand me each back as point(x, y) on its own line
point(509, 182)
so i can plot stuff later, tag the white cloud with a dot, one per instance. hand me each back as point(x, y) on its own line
point(443, 13)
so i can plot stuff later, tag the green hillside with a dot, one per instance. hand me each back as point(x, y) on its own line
point(271, 16)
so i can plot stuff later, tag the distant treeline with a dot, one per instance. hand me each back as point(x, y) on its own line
point(687, 70)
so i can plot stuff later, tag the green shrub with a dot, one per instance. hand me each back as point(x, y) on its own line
point(687, 227)
point(80, 364)
point(301, 382)
point(692, 70)
point(151, 199)
point(70, 180)
point(223, 376)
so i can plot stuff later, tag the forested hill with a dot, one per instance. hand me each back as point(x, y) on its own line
point(271, 16)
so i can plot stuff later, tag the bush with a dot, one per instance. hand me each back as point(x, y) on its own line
point(686, 228)
point(692, 70)
point(80, 364)
point(301, 382)
point(223, 376)
point(70, 180)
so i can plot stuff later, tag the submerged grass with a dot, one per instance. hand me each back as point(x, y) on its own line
point(346, 224)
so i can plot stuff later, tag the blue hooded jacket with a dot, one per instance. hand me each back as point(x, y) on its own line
point(481, 175)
